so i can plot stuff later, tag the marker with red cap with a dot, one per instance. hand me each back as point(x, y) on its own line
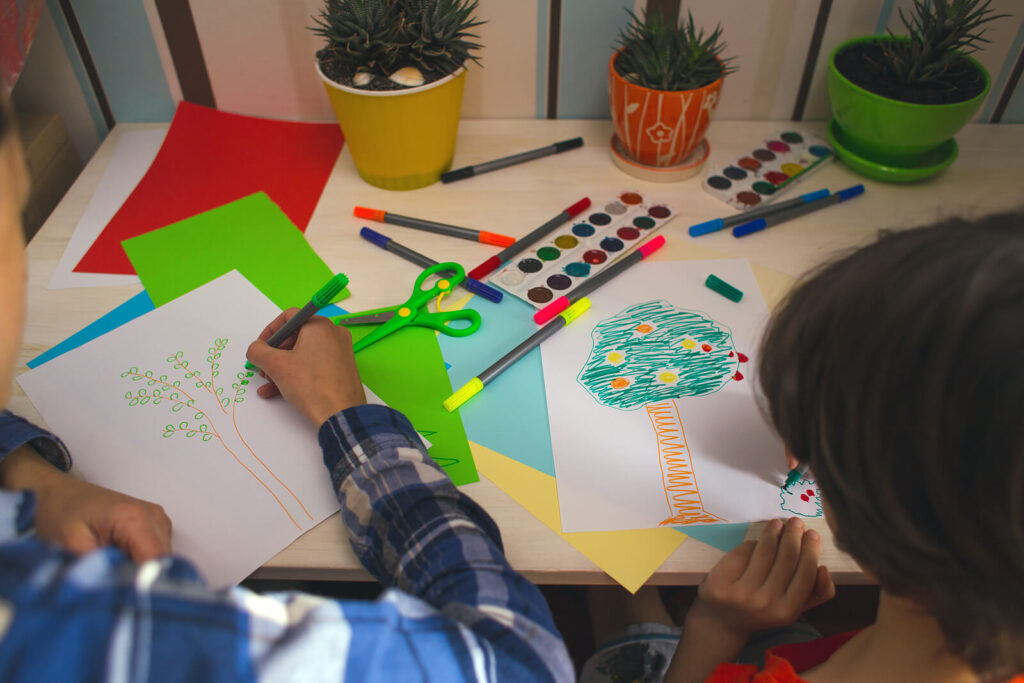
point(505, 255)
point(431, 226)
point(563, 302)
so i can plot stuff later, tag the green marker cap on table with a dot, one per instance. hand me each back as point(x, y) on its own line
point(724, 288)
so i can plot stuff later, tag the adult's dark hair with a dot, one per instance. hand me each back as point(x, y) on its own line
point(897, 374)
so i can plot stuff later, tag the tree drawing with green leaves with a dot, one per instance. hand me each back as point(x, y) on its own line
point(645, 357)
point(203, 408)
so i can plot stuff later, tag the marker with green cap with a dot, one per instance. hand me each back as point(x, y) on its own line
point(476, 385)
point(324, 296)
point(795, 475)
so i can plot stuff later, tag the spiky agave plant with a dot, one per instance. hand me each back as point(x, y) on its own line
point(381, 36)
point(938, 33)
point(656, 55)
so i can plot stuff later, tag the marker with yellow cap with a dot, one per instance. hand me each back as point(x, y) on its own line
point(476, 385)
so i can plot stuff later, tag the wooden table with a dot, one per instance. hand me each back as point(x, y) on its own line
point(988, 176)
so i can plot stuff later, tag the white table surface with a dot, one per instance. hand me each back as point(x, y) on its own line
point(988, 176)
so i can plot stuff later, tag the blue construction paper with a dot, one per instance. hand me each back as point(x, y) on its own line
point(510, 416)
point(129, 310)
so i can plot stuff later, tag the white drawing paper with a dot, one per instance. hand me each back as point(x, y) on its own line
point(163, 409)
point(131, 159)
point(651, 401)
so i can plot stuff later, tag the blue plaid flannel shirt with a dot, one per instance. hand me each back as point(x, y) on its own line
point(453, 608)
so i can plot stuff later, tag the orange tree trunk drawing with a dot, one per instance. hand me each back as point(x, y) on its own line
point(648, 355)
point(204, 405)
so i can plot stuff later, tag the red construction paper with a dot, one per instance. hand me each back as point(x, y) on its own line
point(210, 158)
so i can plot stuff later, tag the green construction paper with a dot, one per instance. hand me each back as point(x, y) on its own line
point(407, 371)
point(251, 235)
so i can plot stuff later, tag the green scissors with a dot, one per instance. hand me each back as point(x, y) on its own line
point(414, 310)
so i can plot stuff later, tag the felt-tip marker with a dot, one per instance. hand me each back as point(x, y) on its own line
point(322, 298)
point(716, 224)
point(385, 242)
point(432, 226)
point(795, 475)
point(797, 211)
point(477, 169)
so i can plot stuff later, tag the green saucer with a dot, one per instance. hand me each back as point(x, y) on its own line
point(930, 164)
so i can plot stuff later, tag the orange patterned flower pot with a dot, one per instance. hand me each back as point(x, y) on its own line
point(660, 127)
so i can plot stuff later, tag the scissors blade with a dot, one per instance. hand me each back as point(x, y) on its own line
point(367, 319)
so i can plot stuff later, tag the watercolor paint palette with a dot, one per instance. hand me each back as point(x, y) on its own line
point(784, 159)
point(576, 252)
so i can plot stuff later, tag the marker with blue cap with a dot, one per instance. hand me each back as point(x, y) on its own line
point(385, 242)
point(716, 224)
point(783, 216)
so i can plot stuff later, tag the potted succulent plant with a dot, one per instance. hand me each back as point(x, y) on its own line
point(897, 101)
point(664, 85)
point(394, 71)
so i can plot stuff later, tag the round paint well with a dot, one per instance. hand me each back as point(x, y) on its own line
point(512, 277)
point(616, 208)
point(600, 219)
point(627, 233)
point(778, 146)
point(775, 177)
point(540, 295)
point(748, 198)
point(578, 269)
point(595, 256)
point(530, 265)
point(559, 282)
point(734, 173)
point(792, 137)
point(763, 155)
point(792, 169)
point(644, 222)
point(631, 198)
point(749, 163)
point(566, 241)
point(763, 187)
point(583, 229)
point(820, 151)
point(659, 211)
point(611, 244)
point(719, 183)
point(548, 253)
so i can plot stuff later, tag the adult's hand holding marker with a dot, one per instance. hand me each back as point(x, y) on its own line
point(314, 369)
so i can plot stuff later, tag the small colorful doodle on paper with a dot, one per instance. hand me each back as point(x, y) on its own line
point(802, 498)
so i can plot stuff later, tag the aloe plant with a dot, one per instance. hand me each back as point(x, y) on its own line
point(656, 55)
point(938, 33)
point(382, 36)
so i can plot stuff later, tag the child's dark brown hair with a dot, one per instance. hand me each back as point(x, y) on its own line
point(897, 374)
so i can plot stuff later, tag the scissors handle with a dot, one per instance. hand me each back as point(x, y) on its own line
point(441, 321)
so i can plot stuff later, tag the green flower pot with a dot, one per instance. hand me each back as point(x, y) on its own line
point(891, 134)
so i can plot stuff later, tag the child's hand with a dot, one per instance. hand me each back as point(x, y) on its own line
point(315, 369)
point(765, 583)
point(81, 516)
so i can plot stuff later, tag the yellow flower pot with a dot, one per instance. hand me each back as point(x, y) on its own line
point(400, 139)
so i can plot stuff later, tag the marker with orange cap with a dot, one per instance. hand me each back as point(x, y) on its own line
point(506, 254)
point(431, 226)
point(476, 385)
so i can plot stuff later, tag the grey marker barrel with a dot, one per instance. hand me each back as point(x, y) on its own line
point(294, 323)
point(432, 226)
point(518, 352)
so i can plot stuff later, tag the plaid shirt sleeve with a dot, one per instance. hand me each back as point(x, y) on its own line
point(453, 608)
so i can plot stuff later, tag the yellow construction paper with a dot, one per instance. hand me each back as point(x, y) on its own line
point(629, 557)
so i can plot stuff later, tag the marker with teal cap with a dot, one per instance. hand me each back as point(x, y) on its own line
point(476, 385)
point(324, 296)
point(795, 475)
